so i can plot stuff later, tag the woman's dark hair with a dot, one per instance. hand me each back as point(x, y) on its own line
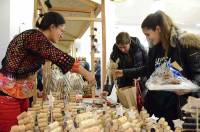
point(159, 18)
point(123, 38)
point(46, 20)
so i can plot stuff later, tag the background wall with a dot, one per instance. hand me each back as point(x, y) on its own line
point(16, 17)
point(4, 27)
point(21, 15)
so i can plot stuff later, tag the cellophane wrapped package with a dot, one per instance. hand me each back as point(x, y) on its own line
point(166, 77)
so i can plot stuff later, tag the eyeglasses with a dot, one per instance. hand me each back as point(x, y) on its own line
point(62, 30)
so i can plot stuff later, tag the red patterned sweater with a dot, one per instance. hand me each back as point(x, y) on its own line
point(27, 51)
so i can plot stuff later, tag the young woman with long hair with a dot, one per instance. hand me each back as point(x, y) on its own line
point(168, 41)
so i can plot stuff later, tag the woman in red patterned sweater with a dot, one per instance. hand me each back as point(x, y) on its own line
point(24, 56)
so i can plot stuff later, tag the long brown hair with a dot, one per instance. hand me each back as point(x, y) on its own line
point(159, 18)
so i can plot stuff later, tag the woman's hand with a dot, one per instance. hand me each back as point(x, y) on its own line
point(182, 92)
point(87, 75)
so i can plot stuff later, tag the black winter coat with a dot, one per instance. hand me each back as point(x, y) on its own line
point(133, 64)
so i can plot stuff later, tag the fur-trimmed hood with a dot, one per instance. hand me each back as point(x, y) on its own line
point(186, 39)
